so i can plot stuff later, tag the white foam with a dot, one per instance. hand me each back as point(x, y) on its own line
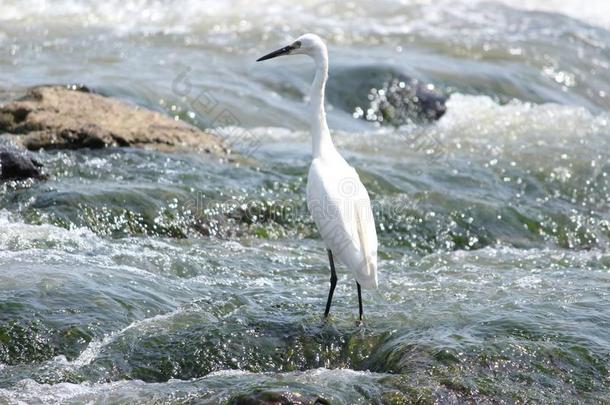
point(29, 391)
point(595, 12)
point(17, 235)
point(342, 21)
point(529, 282)
point(480, 117)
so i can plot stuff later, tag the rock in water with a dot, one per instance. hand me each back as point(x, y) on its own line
point(385, 95)
point(401, 100)
point(69, 117)
point(18, 165)
point(262, 397)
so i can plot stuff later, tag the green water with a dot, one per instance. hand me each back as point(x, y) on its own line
point(142, 276)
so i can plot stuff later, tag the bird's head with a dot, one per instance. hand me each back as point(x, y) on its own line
point(308, 44)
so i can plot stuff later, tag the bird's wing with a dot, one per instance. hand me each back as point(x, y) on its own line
point(341, 208)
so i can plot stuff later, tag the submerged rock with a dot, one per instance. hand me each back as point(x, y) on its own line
point(74, 117)
point(18, 165)
point(401, 100)
point(262, 397)
point(385, 95)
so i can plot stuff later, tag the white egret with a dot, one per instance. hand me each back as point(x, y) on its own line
point(336, 198)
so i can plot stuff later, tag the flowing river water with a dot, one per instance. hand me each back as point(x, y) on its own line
point(140, 276)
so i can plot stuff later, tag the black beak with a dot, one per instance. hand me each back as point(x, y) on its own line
point(282, 51)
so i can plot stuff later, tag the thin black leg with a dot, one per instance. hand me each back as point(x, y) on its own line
point(333, 282)
point(359, 299)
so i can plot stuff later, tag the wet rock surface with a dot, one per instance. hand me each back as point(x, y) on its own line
point(74, 117)
point(403, 100)
point(262, 397)
point(18, 165)
point(385, 96)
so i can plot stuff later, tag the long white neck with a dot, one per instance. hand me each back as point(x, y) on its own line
point(322, 144)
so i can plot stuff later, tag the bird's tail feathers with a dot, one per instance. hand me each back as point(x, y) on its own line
point(366, 273)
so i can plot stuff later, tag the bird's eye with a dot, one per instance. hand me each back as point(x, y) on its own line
point(296, 45)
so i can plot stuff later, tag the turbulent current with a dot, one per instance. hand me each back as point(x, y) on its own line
point(140, 276)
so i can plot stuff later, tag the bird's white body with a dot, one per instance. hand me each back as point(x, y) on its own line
point(341, 208)
point(336, 198)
